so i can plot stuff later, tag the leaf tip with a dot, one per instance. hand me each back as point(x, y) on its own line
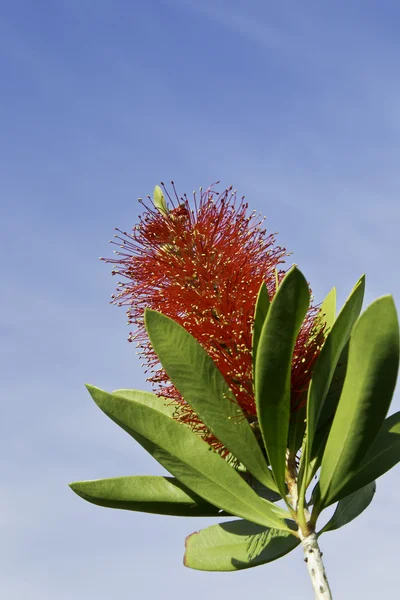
point(92, 389)
point(75, 487)
point(187, 542)
point(149, 316)
point(98, 395)
point(360, 283)
point(187, 539)
point(148, 312)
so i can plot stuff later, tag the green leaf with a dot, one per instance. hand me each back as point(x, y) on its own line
point(204, 388)
point(159, 495)
point(263, 491)
point(327, 362)
point(273, 367)
point(328, 309)
point(159, 403)
point(365, 399)
point(325, 419)
point(382, 456)
point(152, 401)
point(159, 201)
point(297, 427)
point(236, 545)
point(350, 507)
point(188, 458)
point(331, 401)
point(260, 314)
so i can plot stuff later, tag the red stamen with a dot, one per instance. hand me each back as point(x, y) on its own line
point(203, 267)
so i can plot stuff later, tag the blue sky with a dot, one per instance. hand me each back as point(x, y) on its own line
point(297, 106)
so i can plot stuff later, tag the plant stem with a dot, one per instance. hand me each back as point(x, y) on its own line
point(306, 532)
point(315, 566)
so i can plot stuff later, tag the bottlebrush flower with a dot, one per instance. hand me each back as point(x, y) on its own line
point(202, 264)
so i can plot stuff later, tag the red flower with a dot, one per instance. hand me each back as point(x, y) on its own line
point(202, 265)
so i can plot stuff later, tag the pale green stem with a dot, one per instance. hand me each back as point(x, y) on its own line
point(315, 566)
point(307, 535)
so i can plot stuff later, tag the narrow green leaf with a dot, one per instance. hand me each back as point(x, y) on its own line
point(328, 359)
point(236, 545)
point(188, 458)
point(382, 456)
point(159, 200)
point(325, 421)
point(263, 491)
point(329, 407)
point(365, 399)
point(152, 401)
point(328, 309)
point(273, 367)
point(350, 507)
point(329, 374)
point(204, 388)
point(297, 427)
point(260, 314)
point(159, 495)
point(159, 403)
